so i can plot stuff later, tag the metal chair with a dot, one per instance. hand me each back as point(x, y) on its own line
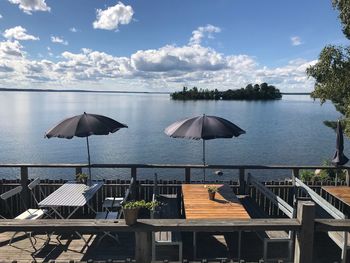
point(28, 214)
point(108, 214)
point(115, 202)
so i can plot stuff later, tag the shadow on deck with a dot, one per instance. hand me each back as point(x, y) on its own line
point(209, 247)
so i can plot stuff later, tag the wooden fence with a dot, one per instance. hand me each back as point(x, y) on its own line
point(117, 187)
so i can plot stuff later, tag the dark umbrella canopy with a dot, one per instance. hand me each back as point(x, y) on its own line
point(203, 127)
point(85, 125)
point(339, 158)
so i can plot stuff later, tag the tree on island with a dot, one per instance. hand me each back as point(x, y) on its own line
point(250, 92)
point(332, 71)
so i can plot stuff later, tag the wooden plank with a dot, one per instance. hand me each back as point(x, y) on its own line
point(340, 192)
point(148, 225)
point(326, 225)
point(143, 247)
point(304, 240)
point(198, 206)
point(321, 201)
point(282, 205)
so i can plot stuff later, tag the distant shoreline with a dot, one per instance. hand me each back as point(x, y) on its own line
point(115, 91)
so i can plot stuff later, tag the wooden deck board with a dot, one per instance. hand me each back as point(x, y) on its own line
point(71, 248)
point(340, 192)
point(226, 205)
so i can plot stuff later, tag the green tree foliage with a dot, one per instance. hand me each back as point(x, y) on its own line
point(344, 14)
point(332, 71)
point(250, 92)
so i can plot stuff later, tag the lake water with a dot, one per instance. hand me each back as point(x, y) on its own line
point(288, 131)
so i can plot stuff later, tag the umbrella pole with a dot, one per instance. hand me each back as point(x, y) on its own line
point(204, 160)
point(88, 149)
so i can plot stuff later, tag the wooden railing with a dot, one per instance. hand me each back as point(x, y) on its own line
point(304, 225)
point(117, 187)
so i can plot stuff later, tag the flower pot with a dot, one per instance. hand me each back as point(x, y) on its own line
point(130, 215)
point(211, 195)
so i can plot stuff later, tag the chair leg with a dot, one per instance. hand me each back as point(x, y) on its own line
point(13, 236)
point(31, 241)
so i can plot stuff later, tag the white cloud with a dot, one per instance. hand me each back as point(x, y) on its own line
point(55, 39)
point(28, 6)
point(296, 41)
point(169, 66)
point(1, 16)
point(172, 58)
point(73, 29)
point(18, 33)
point(112, 17)
point(201, 32)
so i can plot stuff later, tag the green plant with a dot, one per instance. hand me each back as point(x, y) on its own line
point(211, 188)
point(81, 177)
point(307, 175)
point(141, 204)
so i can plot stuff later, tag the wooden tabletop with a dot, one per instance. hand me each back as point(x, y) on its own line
point(225, 205)
point(340, 192)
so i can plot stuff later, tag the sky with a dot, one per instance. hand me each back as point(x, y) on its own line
point(163, 45)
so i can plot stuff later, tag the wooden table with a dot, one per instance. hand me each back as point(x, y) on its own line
point(342, 193)
point(226, 205)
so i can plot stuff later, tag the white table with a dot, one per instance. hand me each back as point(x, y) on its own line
point(71, 194)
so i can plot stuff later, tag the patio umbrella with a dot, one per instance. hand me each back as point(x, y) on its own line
point(203, 127)
point(339, 157)
point(85, 125)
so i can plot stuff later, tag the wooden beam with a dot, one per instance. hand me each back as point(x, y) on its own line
point(241, 181)
point(133, 173)
point(304, 240)
point(25, 189)
point(78, 170)
point(326, 225)
point(188, 175)
point(143, 247)
point(90, 226)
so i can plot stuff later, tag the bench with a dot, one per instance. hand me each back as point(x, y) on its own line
point(168, 210)
point(277, 244)
point(325, 210)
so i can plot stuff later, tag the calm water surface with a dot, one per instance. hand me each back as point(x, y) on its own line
point(288, 131)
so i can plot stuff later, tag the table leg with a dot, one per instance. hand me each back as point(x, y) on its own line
point(194, 246)
point(239, 244)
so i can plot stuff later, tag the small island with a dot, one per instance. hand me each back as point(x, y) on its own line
point(250, 92)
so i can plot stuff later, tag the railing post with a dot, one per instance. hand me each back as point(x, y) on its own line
point(133, 173)
point(295, 174)
point(188, 175)
point(304, 240)
point(78, 170)
point(347, 178)
point(143, 247)
point(241, 182)
point(24, 184)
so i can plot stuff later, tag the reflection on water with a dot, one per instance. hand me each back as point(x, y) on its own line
point(288, 131)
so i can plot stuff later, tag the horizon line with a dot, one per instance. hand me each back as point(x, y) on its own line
point(115, 91)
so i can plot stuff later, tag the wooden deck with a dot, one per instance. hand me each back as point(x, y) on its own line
point(69, 248)
point(197, 205)
point(340, 192)
point(209, 246)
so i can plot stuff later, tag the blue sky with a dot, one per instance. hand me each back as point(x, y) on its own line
point(163, 44)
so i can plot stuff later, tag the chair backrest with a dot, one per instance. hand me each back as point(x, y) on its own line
point(11, 193)
point(15, 191)
point(32, 186)
point(34, 183)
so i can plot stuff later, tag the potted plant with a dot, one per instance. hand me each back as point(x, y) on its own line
point(81, 178)
point(131, 210)
point(211, 191)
